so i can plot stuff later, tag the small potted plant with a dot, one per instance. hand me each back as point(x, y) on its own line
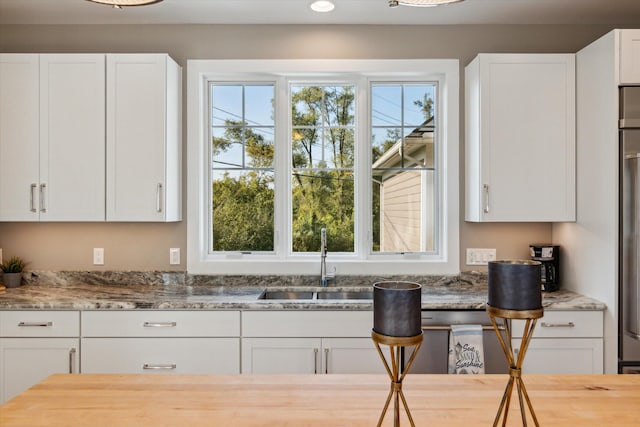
point(12, 271)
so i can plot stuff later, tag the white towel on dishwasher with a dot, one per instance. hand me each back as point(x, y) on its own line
point(466, 353)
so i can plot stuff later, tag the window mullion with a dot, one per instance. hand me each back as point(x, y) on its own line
point(282, 161)
point(362, 170)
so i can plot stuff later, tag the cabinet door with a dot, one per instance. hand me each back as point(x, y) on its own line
point(521, 137)
point(27, 361)
point(161, 355)
point(19, 137)
point(72, 137)
point(350, 356)
point(281, 355)
point(143, 135)
point(629, 56)
point(562, 356)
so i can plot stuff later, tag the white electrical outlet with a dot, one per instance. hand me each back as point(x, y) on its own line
point(98, 256)
point(480, 256)
point(174, 256)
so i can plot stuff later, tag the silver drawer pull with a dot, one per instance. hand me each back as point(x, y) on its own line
point(557, 325)
point(160, 324)
point(169, 366)
point(36, 324)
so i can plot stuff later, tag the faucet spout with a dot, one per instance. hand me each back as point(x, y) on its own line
point(324, 277)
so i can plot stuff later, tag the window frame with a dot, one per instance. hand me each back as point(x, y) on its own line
point(282, 72)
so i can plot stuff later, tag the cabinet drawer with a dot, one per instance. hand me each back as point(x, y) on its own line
point(565, 324)
point(307, 323)
point(161, 355)
point(160, 323)
point(39, 323)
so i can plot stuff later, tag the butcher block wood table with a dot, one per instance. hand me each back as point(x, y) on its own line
point(316, 400)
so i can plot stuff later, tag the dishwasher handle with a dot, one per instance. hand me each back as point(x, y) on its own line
point(448, 328)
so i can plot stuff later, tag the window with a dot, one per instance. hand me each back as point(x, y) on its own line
point(242, 141)
point(403, 146)
point(322, 157)
point(278, 150)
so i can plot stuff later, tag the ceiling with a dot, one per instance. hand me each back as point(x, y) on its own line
point(623, 13)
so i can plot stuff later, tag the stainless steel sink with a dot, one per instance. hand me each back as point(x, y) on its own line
point(317, 294)
point(345, 295)
point(286, 295)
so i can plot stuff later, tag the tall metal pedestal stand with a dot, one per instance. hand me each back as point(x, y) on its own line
point(515, 365)
point(395, 348)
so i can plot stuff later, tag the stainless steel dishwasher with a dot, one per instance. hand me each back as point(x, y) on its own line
point(434, 352)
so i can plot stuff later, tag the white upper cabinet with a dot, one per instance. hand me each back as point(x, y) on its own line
point(630, 57)
point(19, 137)
point(143, 138)
point(89, 137)
point(52, 137)
point(72, 137)
point(520, 138)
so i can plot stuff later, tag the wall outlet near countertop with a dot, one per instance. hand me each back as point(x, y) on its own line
point(98, 256)
point(480, 256)
point(174, 256)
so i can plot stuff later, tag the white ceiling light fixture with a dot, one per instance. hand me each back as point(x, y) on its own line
point(322, 6)
point(421, 3)
point(119, 4)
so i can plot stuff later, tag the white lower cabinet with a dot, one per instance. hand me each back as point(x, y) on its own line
point(310, 356)
point(157, 355)
point(324, 342)
point(161, 341)
point(564, 342)
point(34, 345)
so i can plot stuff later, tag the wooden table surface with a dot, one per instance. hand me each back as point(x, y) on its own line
point(316, 400)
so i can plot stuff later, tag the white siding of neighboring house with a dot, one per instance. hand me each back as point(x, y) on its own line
point(405, 212)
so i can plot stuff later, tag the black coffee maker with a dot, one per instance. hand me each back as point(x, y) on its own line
point(549, 256)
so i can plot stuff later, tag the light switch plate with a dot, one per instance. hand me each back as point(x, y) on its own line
point(480, 256)
point(98, 256)
point(174, 256)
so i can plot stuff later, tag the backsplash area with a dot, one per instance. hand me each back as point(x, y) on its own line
point(159, 278)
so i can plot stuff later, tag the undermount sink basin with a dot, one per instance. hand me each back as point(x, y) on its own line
point(345, 295)
point(286, 295)
point(323, 294)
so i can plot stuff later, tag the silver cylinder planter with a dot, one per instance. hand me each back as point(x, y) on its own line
point(515, 285)
point(397, 308)
point(11, 280)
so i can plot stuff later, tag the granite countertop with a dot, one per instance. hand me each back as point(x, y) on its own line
point(436, 295)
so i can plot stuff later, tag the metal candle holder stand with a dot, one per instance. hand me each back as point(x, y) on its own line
point(515, 365)
point(396, 344)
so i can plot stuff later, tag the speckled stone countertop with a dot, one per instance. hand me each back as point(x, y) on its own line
point(122, 291)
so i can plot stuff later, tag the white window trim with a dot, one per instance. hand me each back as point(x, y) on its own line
point(199, 261)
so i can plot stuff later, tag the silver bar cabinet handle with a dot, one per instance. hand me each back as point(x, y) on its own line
point(448, 328)
point(33, 197)
point(486, 198)
point(43, 206)
point(159, 197)
point(72, 359)
point(315, 360)
point(160, 324)
point(160, 366)
point(557, 325)
point(36, 324)
point(326, 360)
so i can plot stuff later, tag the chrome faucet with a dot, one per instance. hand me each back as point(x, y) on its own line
point(324, 277)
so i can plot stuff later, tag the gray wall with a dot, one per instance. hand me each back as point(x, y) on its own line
point(57, 246)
